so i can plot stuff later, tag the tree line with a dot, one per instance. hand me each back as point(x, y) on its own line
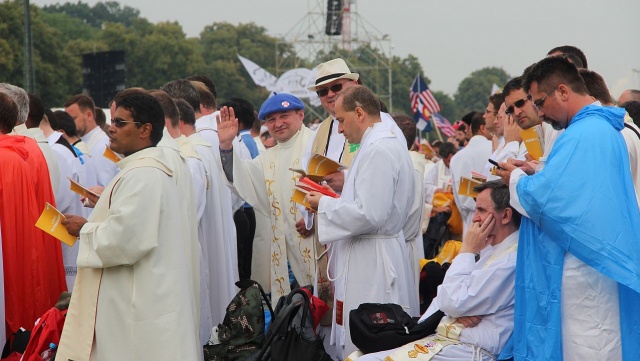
point(157, 53)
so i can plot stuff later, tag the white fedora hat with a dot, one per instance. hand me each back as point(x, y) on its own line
point(333, 70)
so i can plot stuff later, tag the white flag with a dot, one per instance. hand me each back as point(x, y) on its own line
point(260, 76)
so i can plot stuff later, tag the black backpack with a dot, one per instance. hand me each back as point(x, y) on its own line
point(290, 335)
point(241, 334)
point(377, 327)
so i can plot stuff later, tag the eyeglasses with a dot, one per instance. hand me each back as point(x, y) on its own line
point(119, 123)
point(518, 104)
point(334, 88)
point(540, 103)
point(487, 111)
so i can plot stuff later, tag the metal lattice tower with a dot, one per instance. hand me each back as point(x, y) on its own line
point(365, 49)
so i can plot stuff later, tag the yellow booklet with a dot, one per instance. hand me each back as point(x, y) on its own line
point(466, 187)
point(49, 222)
point(531, 140)
point(319, 166)
point(299, 197)
point(111, 155)
point(80, 189)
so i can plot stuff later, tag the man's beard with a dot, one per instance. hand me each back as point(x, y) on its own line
point(554, 124)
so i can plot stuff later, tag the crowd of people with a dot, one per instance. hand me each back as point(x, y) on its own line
point(189, 196)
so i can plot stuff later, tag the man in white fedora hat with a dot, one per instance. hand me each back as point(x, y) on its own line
point(332, 78)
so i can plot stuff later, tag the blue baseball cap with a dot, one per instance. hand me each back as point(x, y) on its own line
point(279, 102)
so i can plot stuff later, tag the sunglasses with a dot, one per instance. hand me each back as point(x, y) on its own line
point(518, 104)
point(334, 88)
point(540, 103)
point(119, 123)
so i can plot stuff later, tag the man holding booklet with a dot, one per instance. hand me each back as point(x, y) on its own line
point(135, 296)
point(365, 223)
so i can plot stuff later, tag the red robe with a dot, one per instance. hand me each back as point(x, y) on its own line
point(32, 260)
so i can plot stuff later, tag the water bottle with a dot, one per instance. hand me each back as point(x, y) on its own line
point(541, 164)
point(50, 353)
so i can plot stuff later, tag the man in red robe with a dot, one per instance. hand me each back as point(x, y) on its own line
point(32, 260)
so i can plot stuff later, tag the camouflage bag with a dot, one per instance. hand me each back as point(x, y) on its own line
point(241, 334)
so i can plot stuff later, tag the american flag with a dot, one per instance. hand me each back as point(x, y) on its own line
point(443, 124)
point(421, 95)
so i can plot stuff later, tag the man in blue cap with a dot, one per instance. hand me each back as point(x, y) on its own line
point(267, 184)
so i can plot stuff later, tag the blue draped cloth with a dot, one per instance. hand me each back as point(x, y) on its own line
point(582, 202)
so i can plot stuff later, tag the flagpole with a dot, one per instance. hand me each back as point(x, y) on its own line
point(433, 121)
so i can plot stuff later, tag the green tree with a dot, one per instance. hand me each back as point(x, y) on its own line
point(474, 90)
point(448, 107)
point(222, 42)
point(404, 72)
point(55, 76)
point(100, 13)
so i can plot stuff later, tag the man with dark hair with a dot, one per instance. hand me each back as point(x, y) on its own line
point(82, 110)
point(572, 51)
point(208, 104)
point(364, 226)
point(255, 133)
point(438, 179)
point(173, 140)
point(629, 95)
point(244, 217)
point(476, 297)
point(195, 185)
point(134, 266)
point(207, 82)
point(217, 227)
point(101, 119)
point(28, 287)
point(413, 227)
point(471, 158)
point(69, 167)
point(521, 113)
point(206, 125)
point(67, 127)
point(633, 109)
point(577, 245)
point(490, 113)
point(467, 119)
point(597, 88)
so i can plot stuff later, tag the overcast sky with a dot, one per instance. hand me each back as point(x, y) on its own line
point(451, 38)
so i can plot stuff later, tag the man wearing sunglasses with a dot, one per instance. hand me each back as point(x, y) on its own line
point(578, 281)
point(521, 111)
point(135, 267)
point(332, 78)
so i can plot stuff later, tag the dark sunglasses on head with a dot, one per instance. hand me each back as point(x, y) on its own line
point(334, 88)
point(517, 104)
point(119, 123)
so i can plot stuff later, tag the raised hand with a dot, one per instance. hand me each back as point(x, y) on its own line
point(511, 130)
point(227, 127)
point(475, 240)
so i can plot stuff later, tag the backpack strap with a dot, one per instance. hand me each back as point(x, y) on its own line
point(627, 125)
point(244, 284)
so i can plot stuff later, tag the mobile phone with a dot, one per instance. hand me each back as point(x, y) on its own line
point(496, 164)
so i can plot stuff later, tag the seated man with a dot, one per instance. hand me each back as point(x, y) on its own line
point(477, 298)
